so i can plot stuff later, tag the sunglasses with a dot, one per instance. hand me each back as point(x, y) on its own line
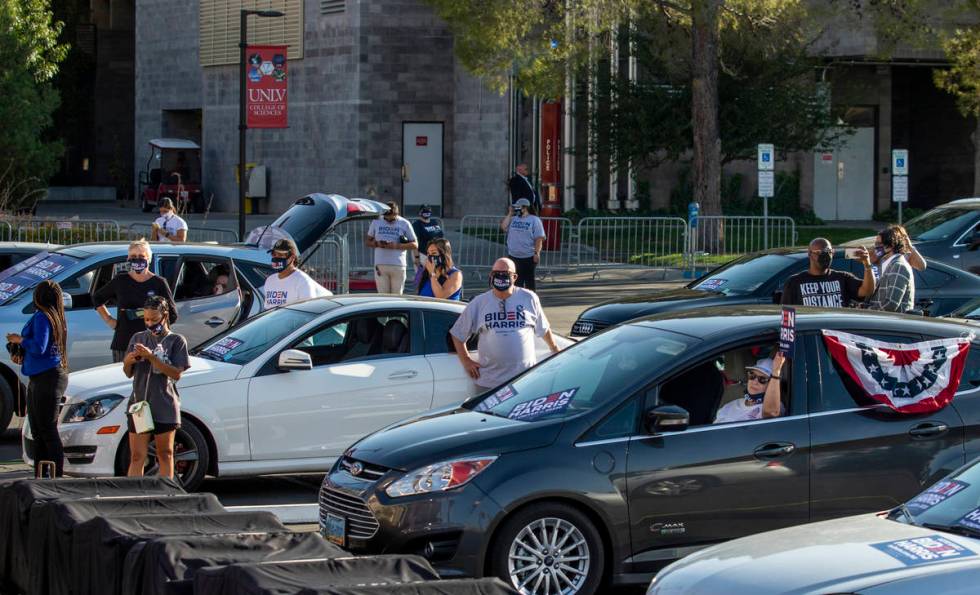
point(758, 377)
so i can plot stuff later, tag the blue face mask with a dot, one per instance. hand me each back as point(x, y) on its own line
point(156, 329)
point(280, 264)
point(138, 265)
point(879, 252)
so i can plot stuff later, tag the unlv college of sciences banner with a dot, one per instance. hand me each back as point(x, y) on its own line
point(265, 87)
point(909, 378)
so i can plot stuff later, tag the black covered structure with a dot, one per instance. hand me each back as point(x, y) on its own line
point(151, 565)
point(52, 524)
point(100, 545)
point(295, 577)
point(17, 498)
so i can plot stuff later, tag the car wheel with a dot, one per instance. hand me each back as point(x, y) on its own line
point(549, 548)
point(192, 457)
point(6, 405)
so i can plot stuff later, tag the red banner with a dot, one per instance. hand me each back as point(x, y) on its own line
point(550, 142)
point(265, 86)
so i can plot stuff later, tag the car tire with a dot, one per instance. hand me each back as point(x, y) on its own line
point(192, 456)
point(6, 405)
point(556, 523)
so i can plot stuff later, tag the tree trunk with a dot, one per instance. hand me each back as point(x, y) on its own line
point(704, 116)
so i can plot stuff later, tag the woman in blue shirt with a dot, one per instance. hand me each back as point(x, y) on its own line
point(45, 361)
point(441, 279)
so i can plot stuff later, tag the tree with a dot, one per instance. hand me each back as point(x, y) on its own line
point(30, 53)
point(962, 80)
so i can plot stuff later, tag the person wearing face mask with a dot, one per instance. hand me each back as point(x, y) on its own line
point(288, 284)
point(155, 360)
point(525, 239)
point(762, 394)
point(823, 287)
point(895, 291)
point(390, 236)
point(440, 278)
point(426, 228)
point(168, 226)
point(130, 290)
point(506, 320)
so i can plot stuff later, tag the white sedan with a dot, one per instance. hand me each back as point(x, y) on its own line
point(285, 392)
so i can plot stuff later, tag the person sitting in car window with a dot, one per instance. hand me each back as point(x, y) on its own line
point(762, 396)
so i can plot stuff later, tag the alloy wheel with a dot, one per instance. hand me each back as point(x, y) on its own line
point(549, 556)
point(186, 458)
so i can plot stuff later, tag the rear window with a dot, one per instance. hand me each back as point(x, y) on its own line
point(27, 274)
point(745, 275)
point(940, 224)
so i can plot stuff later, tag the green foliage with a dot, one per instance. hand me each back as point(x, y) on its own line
point(30, 53)
point(891, 215)
point(962, 79)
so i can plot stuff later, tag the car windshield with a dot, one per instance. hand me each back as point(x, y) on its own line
point(585, 375)
point(970, 310)
point(28, 273)
point(952, 504)
point(744, 275)
point(940, 224)
point(251, 339)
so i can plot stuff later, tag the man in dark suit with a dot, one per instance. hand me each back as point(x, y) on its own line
point(521, 187)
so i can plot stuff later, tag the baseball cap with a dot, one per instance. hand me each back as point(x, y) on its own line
point(763, 365)
point(522, 202)
point(285, 245)
point(165, 203)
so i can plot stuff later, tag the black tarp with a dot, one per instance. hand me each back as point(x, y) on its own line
point(53, 522)
point(100, 545)
point(17, 497)
point(293, 577)
point(150, 565)
point(483, 586)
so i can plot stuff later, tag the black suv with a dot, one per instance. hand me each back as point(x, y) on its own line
point(603, 462)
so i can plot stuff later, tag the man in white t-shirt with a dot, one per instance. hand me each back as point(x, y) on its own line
point(762, 398)
point(390, 236)
point(168, 226)
point(288, 284)
point(506, 319)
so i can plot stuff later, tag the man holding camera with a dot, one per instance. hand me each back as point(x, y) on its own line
point(390, 236)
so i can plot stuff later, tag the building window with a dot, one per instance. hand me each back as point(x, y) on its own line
point(219, 26)
point(332, 6)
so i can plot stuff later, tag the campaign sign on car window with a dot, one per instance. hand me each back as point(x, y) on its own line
point(787, 331)
point(223, 347)
point(497, 398)
point(970, 520)
point(9, 289)
point(935, 494)
point(553, 403)
point(712, 284)
point(923, 550)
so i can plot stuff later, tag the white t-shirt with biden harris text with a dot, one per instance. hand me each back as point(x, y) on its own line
point(382, 231)
point(506, 331)
point(521, 235)
point(297, 286)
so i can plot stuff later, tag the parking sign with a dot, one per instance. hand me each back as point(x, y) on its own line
point(900, 162)
point(767, 157)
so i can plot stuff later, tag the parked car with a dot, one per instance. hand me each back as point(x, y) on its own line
point(949, 233)
point(968, 311)
point(758, 278)
point(82, 269)
point(12, 253)
point(603, 461)
point(284, 392)
point(930, 544)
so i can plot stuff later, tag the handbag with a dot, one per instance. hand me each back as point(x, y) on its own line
point(140, 411)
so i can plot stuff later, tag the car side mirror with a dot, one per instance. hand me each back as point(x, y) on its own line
point(294, 359)
point(66, 300)
point(666, 418)
point(777, 297)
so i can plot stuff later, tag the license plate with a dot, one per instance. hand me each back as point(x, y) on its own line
point(335, 530)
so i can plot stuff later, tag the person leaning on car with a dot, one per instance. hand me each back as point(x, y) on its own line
point(822, 286)
point(506, 319)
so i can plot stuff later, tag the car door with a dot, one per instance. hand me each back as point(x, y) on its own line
point(204, 309)
point(713, 482)
point(452, 383)
point(966, 402)
point(865, 458)
point(359, 383)
point(88, 335)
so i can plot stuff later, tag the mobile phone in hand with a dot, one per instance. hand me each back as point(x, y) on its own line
point(851, 253)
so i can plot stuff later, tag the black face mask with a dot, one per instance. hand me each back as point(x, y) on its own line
point(436, 260)
point(280, 264)
point(501, 281)
point(824, 259)
point(138, 265)
point(156, 329)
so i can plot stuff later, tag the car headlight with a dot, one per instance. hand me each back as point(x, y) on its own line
point(90, 409)
point(439, 477)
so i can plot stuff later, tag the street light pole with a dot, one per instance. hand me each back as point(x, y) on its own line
point(242, 123)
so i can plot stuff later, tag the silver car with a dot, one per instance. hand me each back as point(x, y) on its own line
point(82, 269)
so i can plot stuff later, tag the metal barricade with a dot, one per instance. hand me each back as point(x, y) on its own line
point(328, 262)
point(722, 237)
point(6, 231)
point(481, 242)
point(65, 231)
point(626, 242)
point(194, 234)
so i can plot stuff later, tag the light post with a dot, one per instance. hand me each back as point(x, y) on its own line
point(242, 126)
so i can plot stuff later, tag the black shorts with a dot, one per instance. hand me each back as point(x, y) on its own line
point(157, 428)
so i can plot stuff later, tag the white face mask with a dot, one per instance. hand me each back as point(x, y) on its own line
point(168, 215)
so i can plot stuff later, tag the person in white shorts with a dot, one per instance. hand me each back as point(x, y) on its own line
point(288, 284)
point(390, 236)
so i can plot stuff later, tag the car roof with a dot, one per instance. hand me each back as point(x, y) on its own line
point(27, 246)
point(715, 321)
point(970, 203)
point(392, 300)
point(800, 252)
point(109, 248)
point(174, 143)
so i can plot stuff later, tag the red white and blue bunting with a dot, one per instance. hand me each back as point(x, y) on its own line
point(910, 378)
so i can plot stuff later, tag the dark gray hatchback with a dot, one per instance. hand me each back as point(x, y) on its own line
point(603, 464)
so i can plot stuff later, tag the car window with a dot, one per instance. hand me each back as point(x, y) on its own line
point(245, 342)
point(586, 375)
point(200, 277)
point(745, 275)
point(622, 422)
point(837, 390)
point(931, 278)
point(950, 502)
point(970, 382)
point(366, 336)
point(940, 224)
point(28, 273)
point(437, 325)
point(255, 273)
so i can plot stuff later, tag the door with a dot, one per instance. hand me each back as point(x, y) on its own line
point(455, 385)
point(717, 481)
point(369, 371)
point(865, 459)
point(967, 403)
point(207, 295)
point(88, 334)
point(422, 166)
point(843, 178)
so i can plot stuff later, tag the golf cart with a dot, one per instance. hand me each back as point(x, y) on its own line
point(172, 171)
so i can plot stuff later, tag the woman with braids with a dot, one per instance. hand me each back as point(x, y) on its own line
point(45, 361)
point(155, 360)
